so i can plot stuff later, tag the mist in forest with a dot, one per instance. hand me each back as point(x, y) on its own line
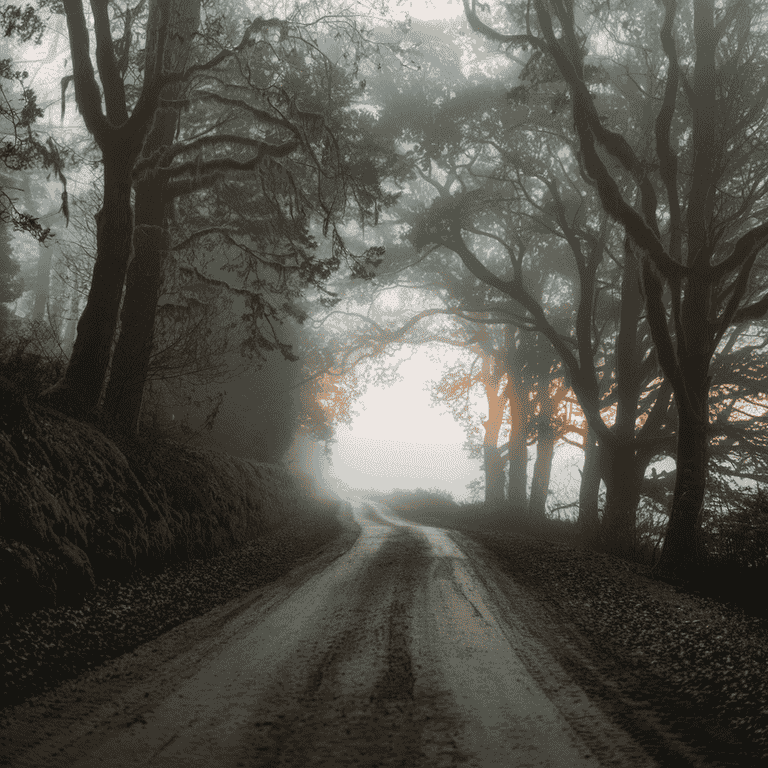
point(305, 204)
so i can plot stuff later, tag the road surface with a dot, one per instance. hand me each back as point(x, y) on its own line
point(396, 653)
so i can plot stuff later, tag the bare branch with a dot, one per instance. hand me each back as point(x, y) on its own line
point(87, 92)
point(109, 72)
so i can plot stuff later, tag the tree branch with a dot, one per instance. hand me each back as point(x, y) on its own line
point(667, 158)
point(87, 92)
point(518, 41)
point(109, 72)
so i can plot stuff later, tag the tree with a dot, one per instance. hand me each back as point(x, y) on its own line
point(133, 129)
point(10, 285)
point(21, 147)
point(535, 218)
point(119, 136)
point(258, 214)
point(703, 241)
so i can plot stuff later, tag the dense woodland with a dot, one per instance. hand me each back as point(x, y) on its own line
point(234, 200)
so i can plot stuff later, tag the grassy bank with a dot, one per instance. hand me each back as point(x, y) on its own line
point(77, 509)
point(107, 543)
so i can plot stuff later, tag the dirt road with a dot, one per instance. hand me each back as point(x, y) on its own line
point(395, 654)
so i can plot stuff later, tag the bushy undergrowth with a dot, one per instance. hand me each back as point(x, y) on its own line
point(417, 501)
point(734, 571)
point(30, 361)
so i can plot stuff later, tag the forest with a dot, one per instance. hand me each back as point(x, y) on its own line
point(214, 214)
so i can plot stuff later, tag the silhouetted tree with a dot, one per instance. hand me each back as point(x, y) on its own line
point(704, 241)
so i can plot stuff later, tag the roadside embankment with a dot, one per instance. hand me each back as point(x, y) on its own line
point(102, 549)
point(700, 664)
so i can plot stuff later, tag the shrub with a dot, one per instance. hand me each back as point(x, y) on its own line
point(738, 536)
point(27, 362)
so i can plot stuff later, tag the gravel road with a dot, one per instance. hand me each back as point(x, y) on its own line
point(401, 652)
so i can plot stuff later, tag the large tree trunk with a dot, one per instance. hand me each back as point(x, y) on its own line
point(622, 485)
point(682, 552)
point(518, 456)
point(622, 494)
point(494, 476)
point(494, 468)
point(545, 448)
point(518, 446)
point(589, 491)
point(130, 362)
point(82, 385)
point(542, 470)
point(120, 137)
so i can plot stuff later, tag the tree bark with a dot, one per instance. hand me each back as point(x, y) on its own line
point(71, 326)
point(682, 552)
point(494, 468)
point(622, 494)
point(589, 491)
point(518, 445)
point(518, 451)
point(120, 138)
point(130, 362)
point(494, 476)
point(133, 351)
point(620, 467)
point(82, 385)
point(542, 469)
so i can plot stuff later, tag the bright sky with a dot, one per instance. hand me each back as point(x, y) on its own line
point(401, 440)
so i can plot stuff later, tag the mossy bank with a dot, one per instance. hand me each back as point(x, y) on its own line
point(86, 523)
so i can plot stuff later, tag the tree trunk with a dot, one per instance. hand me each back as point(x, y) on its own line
point(589, 491)
point(518, 446)
point(494, 468)
point(42, 282)
point(682, 553)
point(83, 382)
point(622, 494)
point(71, 326)
point(494, 476)
point(542, 469)
point(130, 362)
point(120, 137)
point(518, 462)
point(622, 485)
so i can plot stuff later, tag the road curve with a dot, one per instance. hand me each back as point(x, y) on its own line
point(394, 654)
